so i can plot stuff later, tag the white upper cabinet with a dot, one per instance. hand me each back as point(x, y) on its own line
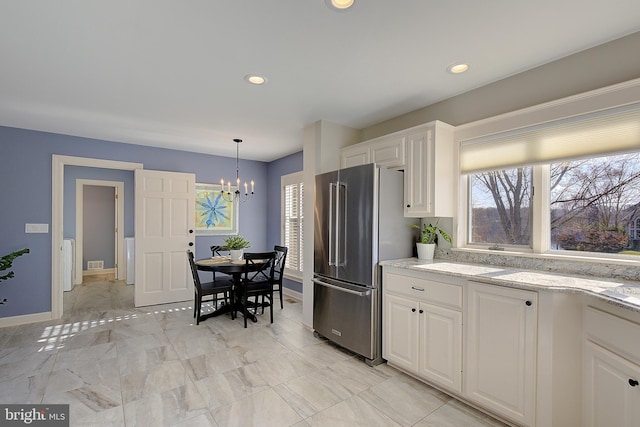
point(387, 151)
point(355, 155)
point(429, 175)
point(426, 153)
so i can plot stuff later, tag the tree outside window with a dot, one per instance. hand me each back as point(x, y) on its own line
point(594, 205)
point(593, 202)
point(501, 207)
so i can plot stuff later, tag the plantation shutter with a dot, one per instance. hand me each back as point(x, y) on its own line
point(293, 221)
point(611, 131)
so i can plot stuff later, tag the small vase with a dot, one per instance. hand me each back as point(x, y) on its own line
point(236, 254)
point(426, 250)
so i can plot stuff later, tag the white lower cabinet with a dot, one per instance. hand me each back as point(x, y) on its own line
point(612, 393)
point(422, 328)
point(500, 352)
point(611, 371)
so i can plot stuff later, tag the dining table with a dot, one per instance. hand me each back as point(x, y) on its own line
point(234, 268)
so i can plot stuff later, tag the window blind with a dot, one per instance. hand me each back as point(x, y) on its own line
point(292, 222)
point(604, 132)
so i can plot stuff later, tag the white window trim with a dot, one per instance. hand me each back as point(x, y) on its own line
point(614, 96)
point(289, 179)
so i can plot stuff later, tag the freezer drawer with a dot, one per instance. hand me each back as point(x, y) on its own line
point(348, 316)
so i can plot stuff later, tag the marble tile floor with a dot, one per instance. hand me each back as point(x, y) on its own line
point(116, 365)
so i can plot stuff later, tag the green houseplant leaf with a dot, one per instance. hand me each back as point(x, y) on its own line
point(7, 260)
point(429, 233)
point(235, 243)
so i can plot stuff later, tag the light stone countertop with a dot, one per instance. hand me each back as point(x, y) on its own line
point(622, 293)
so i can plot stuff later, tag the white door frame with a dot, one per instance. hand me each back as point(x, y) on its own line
point(58, 162)
point(118, 186)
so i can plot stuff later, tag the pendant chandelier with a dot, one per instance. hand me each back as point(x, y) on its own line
point(236, 195)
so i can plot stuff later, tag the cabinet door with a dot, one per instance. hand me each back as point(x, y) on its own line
point(441, 346)
point(417, 185)
point(400, 332)
point(354, 156)
point(389, 152)
point(501, 348)
point(612, 393)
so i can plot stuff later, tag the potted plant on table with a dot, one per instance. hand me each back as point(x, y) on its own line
point(236, 246)
point(429, 239)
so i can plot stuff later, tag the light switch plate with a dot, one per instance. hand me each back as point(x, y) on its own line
point(36, 228)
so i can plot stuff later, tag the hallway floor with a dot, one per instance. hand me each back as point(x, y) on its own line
point(152, 366)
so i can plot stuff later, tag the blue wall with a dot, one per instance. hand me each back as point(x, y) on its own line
point(26, 198)
point(277, 168)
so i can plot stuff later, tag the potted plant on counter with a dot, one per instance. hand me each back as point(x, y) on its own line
point(236, 246)
point(429, 239)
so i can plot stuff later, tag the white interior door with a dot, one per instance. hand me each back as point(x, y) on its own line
point(164, 223)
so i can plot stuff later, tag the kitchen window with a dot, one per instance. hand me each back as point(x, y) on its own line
point(292, 222)
point(500, 207)
point(595, 204)
point(570, 187)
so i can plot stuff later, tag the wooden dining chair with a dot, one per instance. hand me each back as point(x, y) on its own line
point(213, 289)
point(281, 258)
point(216, 250)
point(257, 280)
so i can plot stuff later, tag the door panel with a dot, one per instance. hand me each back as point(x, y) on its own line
point(400, 332)
point(346, 316)
point(358, 224)
point(164, 214)
point(324, 232)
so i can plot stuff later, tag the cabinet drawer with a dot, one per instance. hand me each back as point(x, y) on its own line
point(430, 291)
point(617, 334)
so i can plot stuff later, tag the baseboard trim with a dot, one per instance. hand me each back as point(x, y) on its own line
point(102, 272)
point(25, 319)
point(292, 294)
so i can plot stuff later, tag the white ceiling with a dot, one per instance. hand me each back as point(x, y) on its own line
point(169, 73)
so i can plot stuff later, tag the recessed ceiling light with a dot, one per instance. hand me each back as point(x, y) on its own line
point(457, 68)
point(339, 5)
point(255, 79)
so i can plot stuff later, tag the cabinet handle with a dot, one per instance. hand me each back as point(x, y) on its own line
point(190, 243)
point(413, 310)
point(633, 383)
point(408, 206)
point(528, 303)
point(417, 289)
point(421, 311)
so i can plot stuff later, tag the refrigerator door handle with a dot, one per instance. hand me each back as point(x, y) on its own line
point(341, 232)
point(339, 288)
point(331, 215)
point(337, 237)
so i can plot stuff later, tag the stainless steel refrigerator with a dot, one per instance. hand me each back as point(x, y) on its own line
point(358, 222)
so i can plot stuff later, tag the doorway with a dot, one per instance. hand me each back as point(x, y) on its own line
point(57, 222)
point(105, 224)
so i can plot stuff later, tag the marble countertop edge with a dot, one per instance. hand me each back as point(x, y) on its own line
point(622, 293)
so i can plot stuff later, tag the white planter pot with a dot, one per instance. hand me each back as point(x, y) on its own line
point(236, 254)
point(425, 250)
